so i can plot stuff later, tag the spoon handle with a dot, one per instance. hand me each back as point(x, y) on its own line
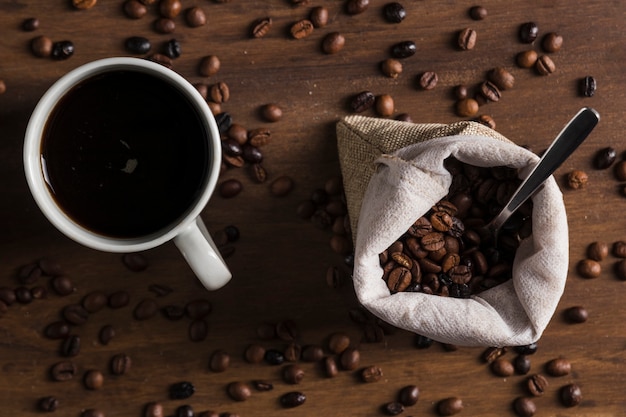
point(572, 135)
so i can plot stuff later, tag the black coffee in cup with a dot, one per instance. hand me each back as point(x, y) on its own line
point(125, 154)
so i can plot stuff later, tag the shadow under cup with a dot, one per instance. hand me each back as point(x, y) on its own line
point(121, 153)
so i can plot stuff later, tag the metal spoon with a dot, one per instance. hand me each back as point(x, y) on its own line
point(572, 135)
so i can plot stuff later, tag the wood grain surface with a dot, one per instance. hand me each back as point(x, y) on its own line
point(280, 261)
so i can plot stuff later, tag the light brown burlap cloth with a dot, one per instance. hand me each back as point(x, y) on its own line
point(393, 173)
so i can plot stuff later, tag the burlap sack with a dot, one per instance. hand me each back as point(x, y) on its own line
point(393, 173)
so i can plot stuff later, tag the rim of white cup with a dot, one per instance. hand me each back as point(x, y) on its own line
point(33, 161)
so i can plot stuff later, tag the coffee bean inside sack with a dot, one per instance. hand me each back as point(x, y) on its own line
point(445, 252)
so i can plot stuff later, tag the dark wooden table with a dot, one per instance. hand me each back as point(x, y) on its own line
point(280, 261)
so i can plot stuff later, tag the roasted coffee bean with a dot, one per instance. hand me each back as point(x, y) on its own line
point(330, 367)
point(164, 25)
point(537, 384)
point(75, 314)
point(393, 408)
point(181, 390)
point(354, 7)
point(173, 312)
point(524, 407)
point(490, 354)
point(62, 50)
point(399, 279)
point(38, 292)
point(384, 105)
point(529, 349)
point(619, 171)
point(338, 342)
point(319, 16)
point(449, 406)
point(62, 285)
point(558, 367)
point(172, 49)
point(259, 137)
point(170, 8)
point(333, 42)
point(312, 353)
point(106, 334)
point(29, 274)
point(94, 301)
point(521, 364)
point(63, 371)
point(371, 374)
point(262, 385)
point(135, 9)
point(231, 147)
point(70, 346)
point(478, 12)
point(92, 412)
point(287, 330)
point(274, 357)
point(619, 249)
point(588, 86)
point(301, 29)
point(428, 80)
point(570, 395)
point(545, 65)
point(161, 59)
point(57, 330)
point(501, 78)
point(31, 24)
point(489, 91)
point(588, 268)
point(93, 379)
point(184, 411)
point(598, 251)
point(120, 364)
point(195, 17)
point(153, 409)
point(160, 290)
point(292, 399)
point(261, 27)
point(209, 65)
point(576, 314)
point(362, 101)
point(271, 112)
point(293, 374)
point(281, 186)
point(198, 309)
point(404, 49)
point(239, 391)
point(408, 395)
point(7, 295)
point(394, 12)
point(528, 32)
point(23, 295)
point(526, 59)
point(620, 269)
point(220, 361)
point(224, 122)
point(135, 262)
point(577, 179)
point(467, 107)
point(230, 188)
point(219, 92)
point(48, 404)
point(502, 367)
point(467, 39)
point(422, 342)
point(604, 158)
point(198, 330)
point(391, 67)
point(350, 359)
point(292, 352)
point(41, 46)
point(119, 299)
point(552, 42)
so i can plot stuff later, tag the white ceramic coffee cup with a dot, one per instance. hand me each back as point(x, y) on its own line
point(189, 233)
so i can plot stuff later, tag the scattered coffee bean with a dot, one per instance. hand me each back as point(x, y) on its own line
point(292, 352)
point(577, 179)
point(62, 285)
point(137, 45)
point(384, 105)
point(362, 101)
point(619, 249)
point(319, 16)
point(301, 29)
point(70, 346)
point(293, 374)
point(537, 384)
point(428, 80)
point(219, 93)
point(588, 268)
point(604, 158)
point(588, 86)
point(199, 308)
point(450, 406)
point(292, 399)
point(467, 107)
point(170, 8)
point(529, 349)
point(281, 186)
point(75, 314)
point(30, 25)
point(524, 407)
point(220, 361)
point(48, 404)
point(408, 395)
point(119, 299)
point(230, 188)
point(391, 67)
point(94, 301)
point(239, 391)
point(576, 314)
point(57, 330)
point(172, 49)
point(184, 411)
point(404, 49)
point(7, 295)
point(486, 120)
point(597, 251)
point(545, 65)
point(287, 330)
point(160, 290)
point(93, 379)
point(350, 359)
point(619, 170)
point(552, 42)
point(501, 78)
point(333, 42)
point(120, 364)
point(526, 59)
point(570, 395)
point(558, 367)
point(312, 353)
point(262, 385)
point(261, 27)
point(620, 270)
point(521, 364)
point(181, 390)
point(393, 408)
point(490, 354)
point(63, 371)
point(198, 330)
point(330, 367)
point(467, 39)
point(195, 17)
point(502, 367)
point(62, 50)
point(83, 4)
point(41, 46)
point(274, 357)
point(338, 342)
point(489, 91)
point(371, 374)
point(135, 9)
point(422, 342)
point(478, 12)
point(271, 112)
point(106, 334)
point(161, 59)
point(38, 292)
point(394, 12)
point(23, 295)
point(153, 409)
point(92, 412)
point(354, 7)
point(164, 25)
point(528, 32)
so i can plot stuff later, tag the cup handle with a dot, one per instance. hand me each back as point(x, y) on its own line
point(198, 248)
